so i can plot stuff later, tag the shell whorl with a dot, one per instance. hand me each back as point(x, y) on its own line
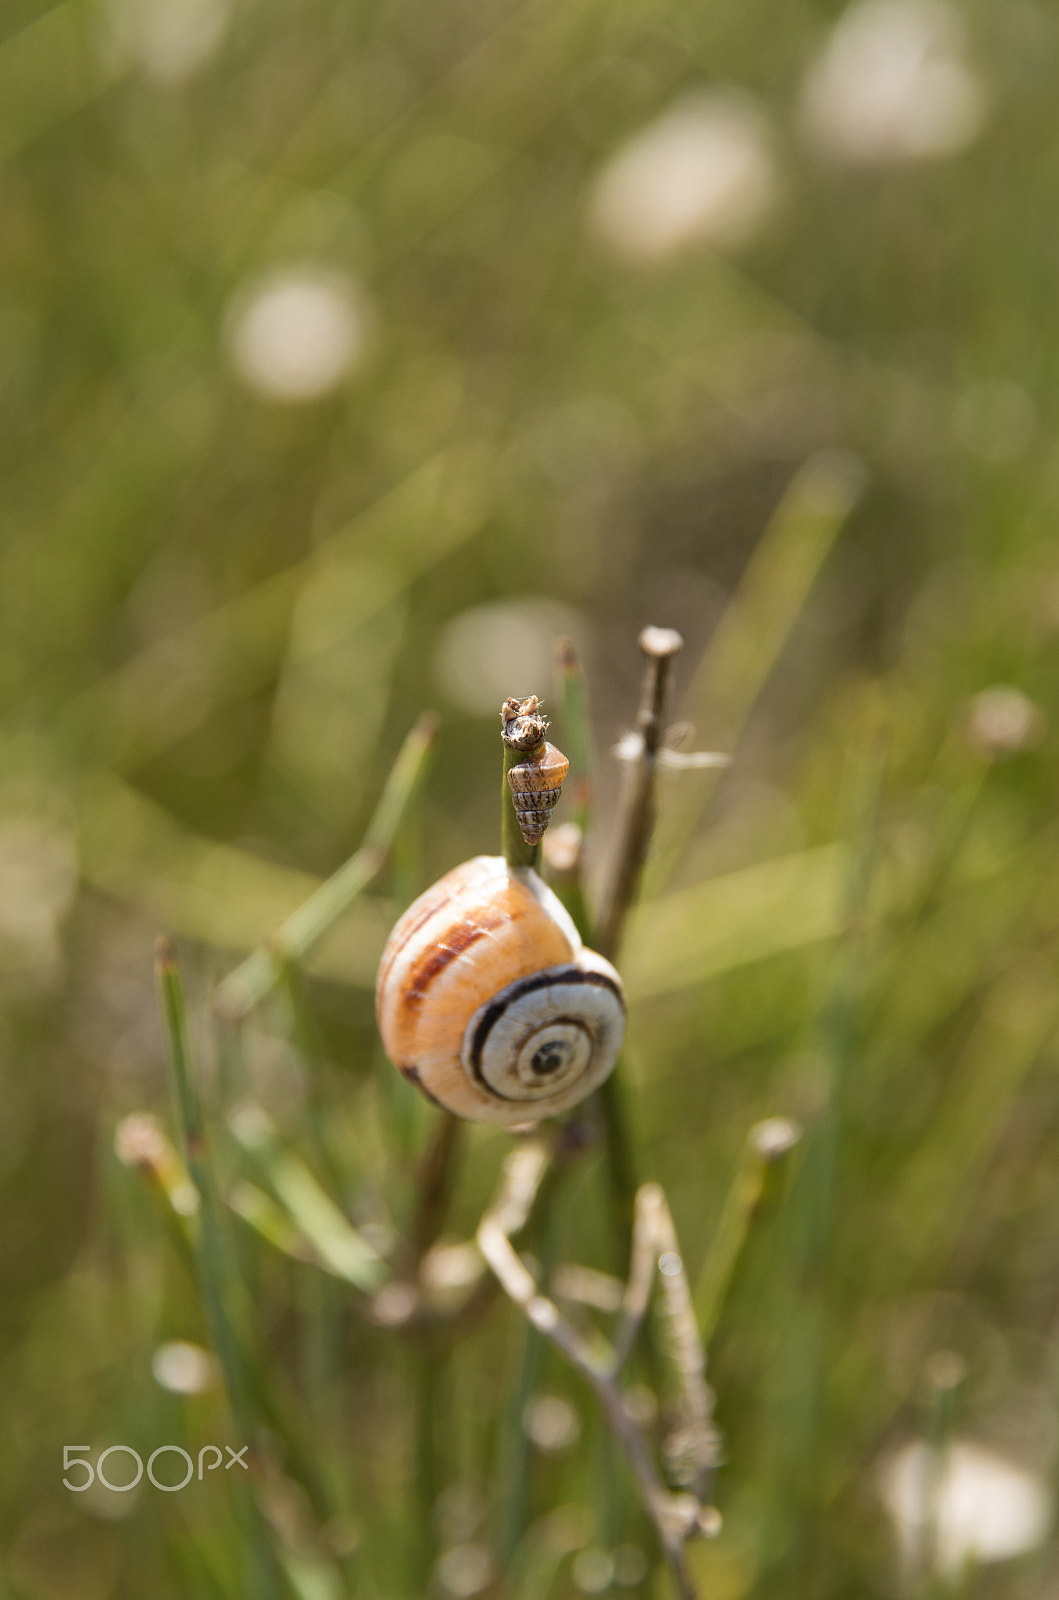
point(489, 1002)
point(536, 785)
point(536, 782)
point(548, 1039)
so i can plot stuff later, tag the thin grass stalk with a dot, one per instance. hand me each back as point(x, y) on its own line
point(338, 1244)
point(577, 744)
point(811, 1331)
point(434, 1184)
point(577, 741)
point(757, 624)
point(513, 1462)
point(216, 1267)
point(303, 1035)
point(262, 970)
point(754, 1189)
point(429, 1370)
point(528, 1169)
point(945, 1372)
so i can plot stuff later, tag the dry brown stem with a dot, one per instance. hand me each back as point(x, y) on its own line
point(676, 1517)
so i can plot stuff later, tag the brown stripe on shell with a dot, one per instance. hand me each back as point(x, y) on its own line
point(413, 1076)
point(428, 905)
point(539, 800)
point(534, 812)
point(439, 956)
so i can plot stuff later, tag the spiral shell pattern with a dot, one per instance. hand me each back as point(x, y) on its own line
point(536, 785)
point(488, 1001)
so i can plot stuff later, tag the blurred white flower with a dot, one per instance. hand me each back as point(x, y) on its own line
point(703, 172)
point(296, 335)
point(551, 1423)
point(395, 1304)
point(450, 1265)
point(169, 40)
point(1001, 721)
point(459, 1510)
point(982, 1507)
point(183, 1368)
point(465, 1570)
point(502, 648)
point(592, 1571)
point(892, 84)
point(562, 847)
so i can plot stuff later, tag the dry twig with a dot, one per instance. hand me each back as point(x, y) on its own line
point(677, 1517)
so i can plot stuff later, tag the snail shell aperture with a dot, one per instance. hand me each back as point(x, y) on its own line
point(488, 1000)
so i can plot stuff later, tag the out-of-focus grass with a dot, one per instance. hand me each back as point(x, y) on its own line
point(221, 611)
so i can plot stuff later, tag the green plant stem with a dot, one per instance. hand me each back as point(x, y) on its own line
point(754, 1188)
point(305, 1039)
point(428, 1473)
point(621, 1164)
point(215, 1264)
point(262, 970)
point(515, 1453)
point(799, 1467)
point(577, 741)
point(757, 624)
point(338, 1244)
point(568, 880)
point(435, 1182)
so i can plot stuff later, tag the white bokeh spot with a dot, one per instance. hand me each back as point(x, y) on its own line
point(169, 40)
point(297, 335)
point(984, 1508)
point(702, 173)
point(892, 84)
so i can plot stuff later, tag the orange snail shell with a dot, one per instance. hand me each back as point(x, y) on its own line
point(489, 1002)
point(536, 785)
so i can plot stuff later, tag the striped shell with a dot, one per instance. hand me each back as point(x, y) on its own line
point(536, 785)
point(489, 1002)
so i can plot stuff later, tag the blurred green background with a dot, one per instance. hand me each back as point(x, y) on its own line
point(348, 355)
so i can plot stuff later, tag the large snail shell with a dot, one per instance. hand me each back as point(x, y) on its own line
point(487, 999)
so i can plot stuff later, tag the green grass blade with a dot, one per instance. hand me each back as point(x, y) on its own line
point(756, 1185)
point(577, 736)
point(333, 1239)
point(216, 1264)
point(756, 626)
point(259, 974)
point(260, 1212)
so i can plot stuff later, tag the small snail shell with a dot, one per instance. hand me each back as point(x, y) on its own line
point(536, 785)
point(536, 782)
point(489, 1002)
